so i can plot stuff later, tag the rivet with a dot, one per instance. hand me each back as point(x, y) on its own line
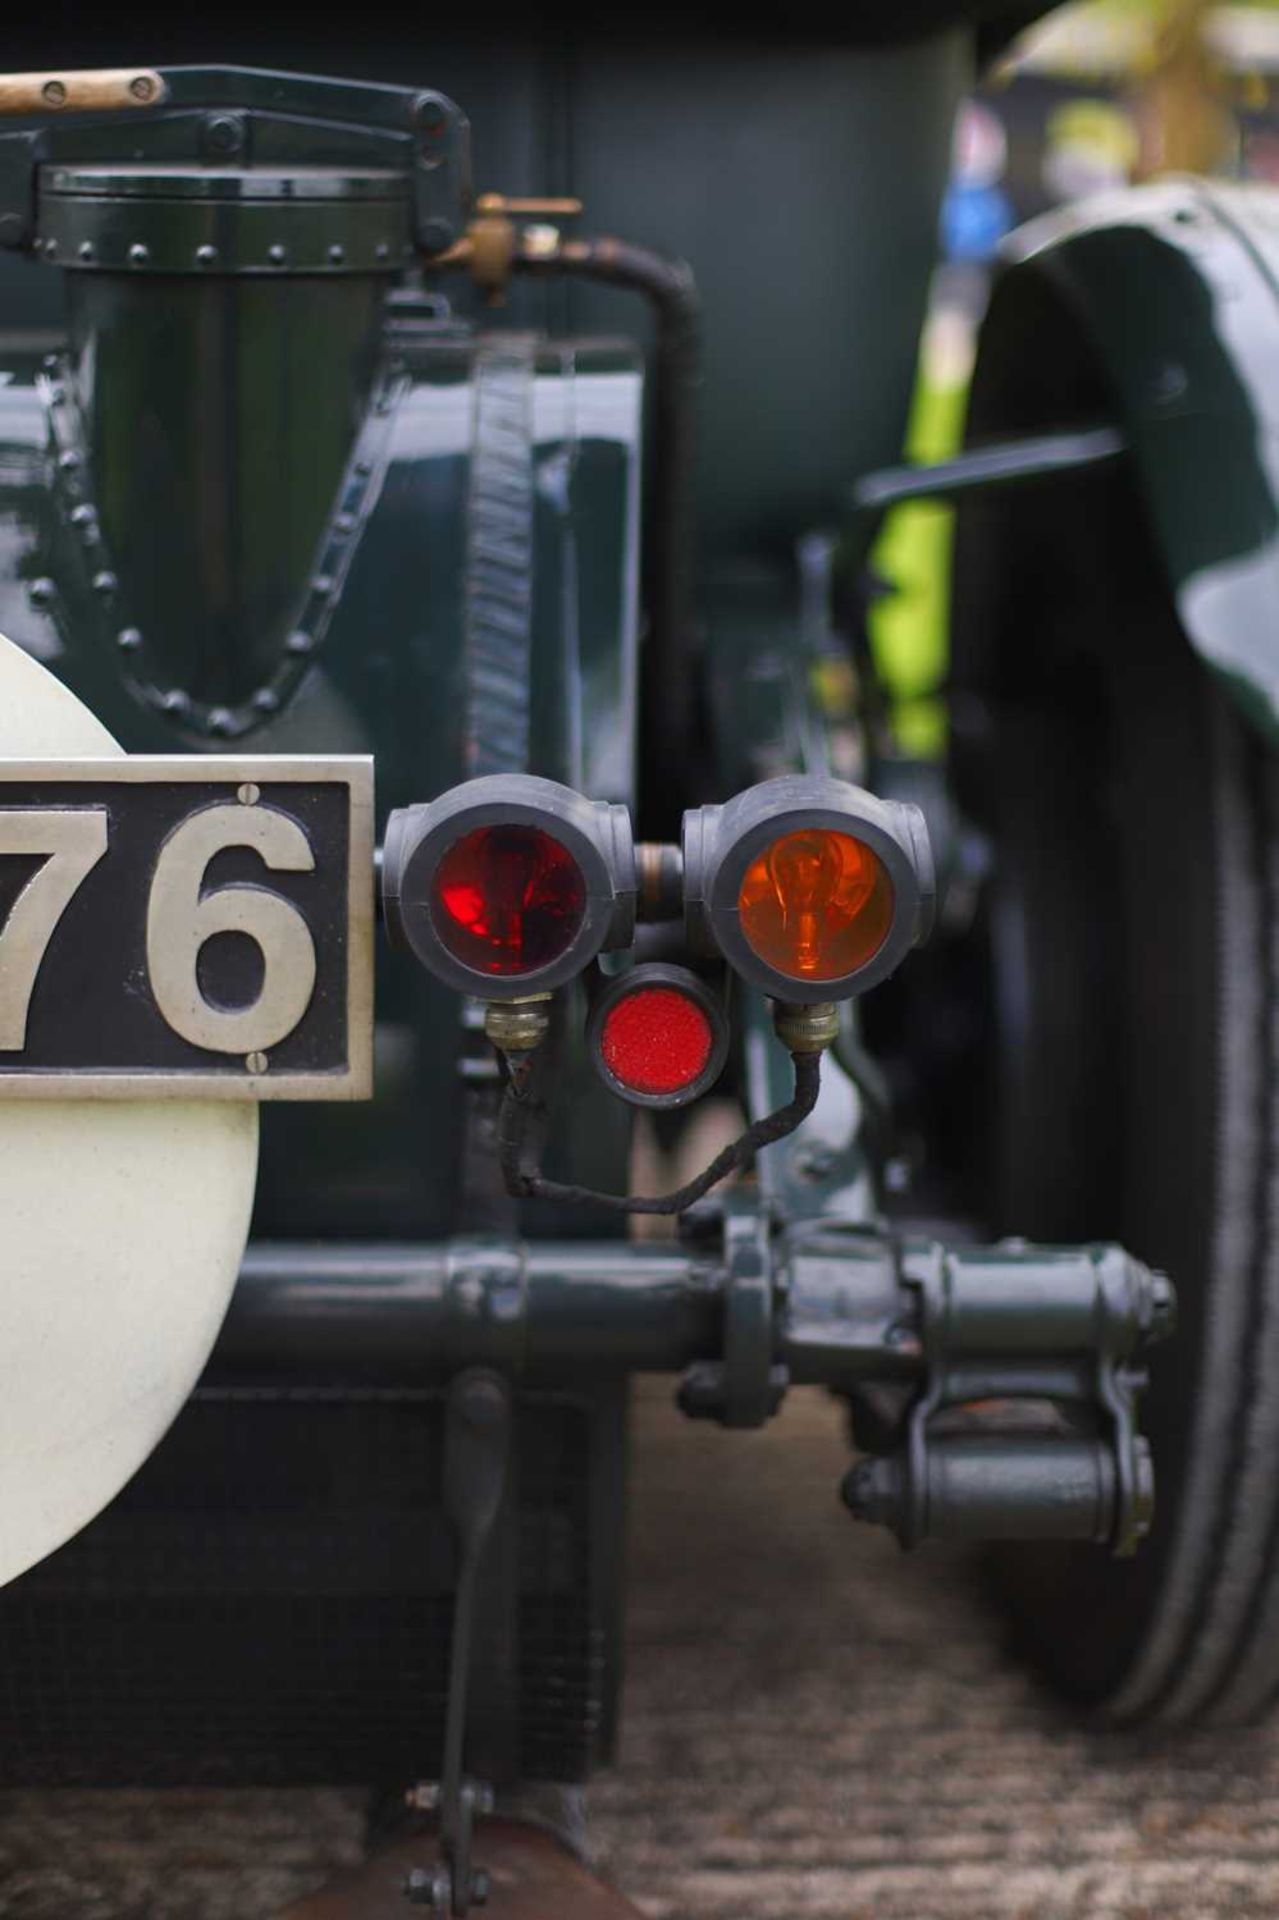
point(142, 86)
point(322, 583)
point(51, 363)
point(256, 1062)
point(337, 255)
point(364, 468)
point(277, 254)
point(300, 642)
point(383, 251)
point(41, 592)
point(69, 460)
point(431, 116)
point(129, 639)
point(266, 700)
point(175, 701)
point(105, 583)
point(221, 721)
point(53, 93)
point(206, 255)
point(86, 518)
point(138, 254)
point(249, 794)
point(343, 522)
point(85, 249)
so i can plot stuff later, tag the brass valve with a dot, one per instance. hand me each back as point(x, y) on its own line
point(493, 240)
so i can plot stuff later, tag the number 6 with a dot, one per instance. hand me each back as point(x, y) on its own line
point(180, 920)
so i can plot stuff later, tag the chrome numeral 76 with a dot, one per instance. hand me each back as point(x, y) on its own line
point(180, 918)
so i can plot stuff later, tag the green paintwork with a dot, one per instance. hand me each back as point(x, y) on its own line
point(1176, 289)
point(183, 433)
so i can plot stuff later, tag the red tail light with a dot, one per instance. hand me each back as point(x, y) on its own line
point(509, 885)
point(658, 1035)
point(508, 899)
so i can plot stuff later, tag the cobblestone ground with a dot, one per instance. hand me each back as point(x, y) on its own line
point(815, 1726)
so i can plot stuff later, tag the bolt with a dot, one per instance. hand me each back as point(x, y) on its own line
point(300, 643)
point(1161, 1307)
point(277, 254)
point(142, 87)
point(435, 235)
point(175, 701)
point(41, 593)
point(266, 700)
point(85, 516)
point(206, 255)
point(54, 93)
point(872, 1490)
point(221, 721)
point(129, 639)
point(105, 584)
point(382, 251)
point(138, 254)
point(322, 583)
point(256, 1062)
point(69, 460)
point(343, 522)
point(336, 255)
point(223, 134)
point(86, 250)
point(700, 1393)
point(249, 794)
point(428, 1887)
point(430, 115)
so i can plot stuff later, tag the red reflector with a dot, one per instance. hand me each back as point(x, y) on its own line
point(507, 899)
point(656, 1040)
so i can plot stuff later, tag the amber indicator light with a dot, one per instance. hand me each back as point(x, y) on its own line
point(656, 1041)
point(816, 904)
point(507, 899)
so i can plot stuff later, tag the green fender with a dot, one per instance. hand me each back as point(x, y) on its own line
point(1158, 307)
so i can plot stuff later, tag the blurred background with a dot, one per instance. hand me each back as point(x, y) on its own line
point(1096, 96)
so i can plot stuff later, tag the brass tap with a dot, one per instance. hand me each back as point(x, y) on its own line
point(493, 240)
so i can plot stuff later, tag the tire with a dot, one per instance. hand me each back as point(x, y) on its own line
point(1134, 1057)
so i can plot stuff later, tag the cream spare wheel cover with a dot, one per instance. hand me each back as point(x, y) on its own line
point(122, 1225)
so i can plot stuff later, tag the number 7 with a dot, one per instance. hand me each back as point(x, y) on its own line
point(72, 840)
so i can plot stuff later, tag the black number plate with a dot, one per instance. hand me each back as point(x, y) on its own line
point(186, 926)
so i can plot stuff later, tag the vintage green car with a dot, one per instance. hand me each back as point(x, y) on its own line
point(477, 587)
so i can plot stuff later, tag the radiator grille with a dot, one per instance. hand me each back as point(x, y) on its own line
point(269, 1602)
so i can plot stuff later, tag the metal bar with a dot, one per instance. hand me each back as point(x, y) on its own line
point(1042, 456)
point(398, 1312)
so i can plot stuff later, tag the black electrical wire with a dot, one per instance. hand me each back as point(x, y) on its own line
point(517, 1110)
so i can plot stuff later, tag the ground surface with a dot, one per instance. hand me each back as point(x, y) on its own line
point(816, 1725)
